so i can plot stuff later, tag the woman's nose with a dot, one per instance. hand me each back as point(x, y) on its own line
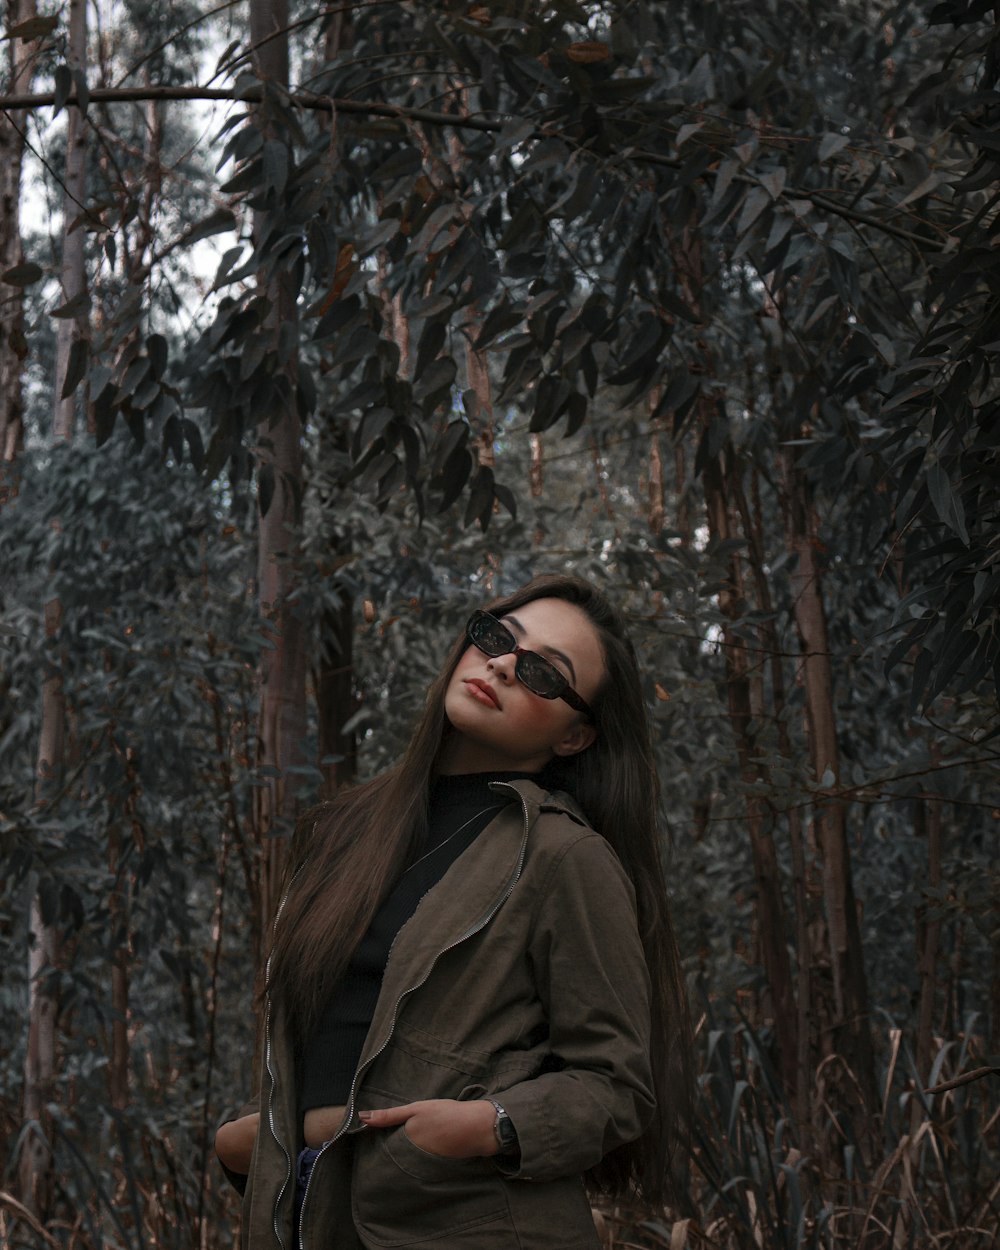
point(503, 666)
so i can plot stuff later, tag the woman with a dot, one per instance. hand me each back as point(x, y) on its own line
point(473, 998)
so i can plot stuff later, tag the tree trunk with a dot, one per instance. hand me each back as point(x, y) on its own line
point(282, 718)
point(851, 1024)
point(717, 483)
point(35, 1166)
point(40, 1059)
point(73, 275)
point(928, 822)
point(335, 697)
point(118, 1060)
point(13, 347)
point(333, 675)
point(657, 508)
point(770, 909)
point(753, 531)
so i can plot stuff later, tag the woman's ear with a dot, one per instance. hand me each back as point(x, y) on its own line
point(577, 739)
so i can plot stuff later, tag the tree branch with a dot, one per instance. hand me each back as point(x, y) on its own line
point(370, 108)
point(252, 95)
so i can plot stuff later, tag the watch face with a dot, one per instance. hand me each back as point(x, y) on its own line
point(505, 1130)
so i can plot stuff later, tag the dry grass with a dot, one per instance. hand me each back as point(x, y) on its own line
point(917, 1171)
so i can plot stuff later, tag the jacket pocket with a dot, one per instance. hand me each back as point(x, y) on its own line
point(403, 1195)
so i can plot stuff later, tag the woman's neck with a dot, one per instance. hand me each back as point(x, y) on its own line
point(461, 755)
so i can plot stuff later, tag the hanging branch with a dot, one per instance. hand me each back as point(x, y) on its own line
point(376, 108)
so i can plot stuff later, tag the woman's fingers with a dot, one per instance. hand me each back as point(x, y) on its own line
point(389, 1117)
point(459, 1130)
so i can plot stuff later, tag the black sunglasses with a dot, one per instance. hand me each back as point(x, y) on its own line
point(541, 677)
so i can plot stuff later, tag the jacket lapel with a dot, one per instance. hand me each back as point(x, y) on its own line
point(470, 891)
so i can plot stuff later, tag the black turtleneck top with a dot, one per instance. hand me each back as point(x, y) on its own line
point(460, 809)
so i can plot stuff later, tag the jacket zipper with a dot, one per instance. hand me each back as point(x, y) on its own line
point(470, 932)
point(274, 1083)
point(274, 1134)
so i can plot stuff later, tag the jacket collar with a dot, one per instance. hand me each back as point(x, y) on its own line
point(466, 898)
point(537, 798)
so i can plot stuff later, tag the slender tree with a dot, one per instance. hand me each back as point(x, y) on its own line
point(40, 1054)
point(13, 346)
point(851, 1023)
point(282, 719)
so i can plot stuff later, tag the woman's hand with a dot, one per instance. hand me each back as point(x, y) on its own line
point(442, 1126)
point(234, 1142)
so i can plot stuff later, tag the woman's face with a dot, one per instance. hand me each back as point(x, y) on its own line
point(497, 722)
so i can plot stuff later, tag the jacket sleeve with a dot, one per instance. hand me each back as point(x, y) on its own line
point(591, 976)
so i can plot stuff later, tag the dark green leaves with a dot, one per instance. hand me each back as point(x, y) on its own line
point(25, 274)
point(76, 368)
point(32, 28)
point(947, 503)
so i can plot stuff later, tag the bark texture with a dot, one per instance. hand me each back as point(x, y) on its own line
point(19, 56)
point(35, 1166)
point(282, 719)
point(770, 909)
point(72, 274)
point(852, 1037)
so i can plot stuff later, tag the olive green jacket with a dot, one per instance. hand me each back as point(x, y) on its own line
point(520, 976)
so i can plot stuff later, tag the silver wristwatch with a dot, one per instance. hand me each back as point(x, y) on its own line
point(504, 1131)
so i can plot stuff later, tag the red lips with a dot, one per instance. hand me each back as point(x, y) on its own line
point(485, 689)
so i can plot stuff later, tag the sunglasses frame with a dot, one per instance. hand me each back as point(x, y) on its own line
point(564, 691)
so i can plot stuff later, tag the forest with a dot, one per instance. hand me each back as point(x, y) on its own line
point(323, 324)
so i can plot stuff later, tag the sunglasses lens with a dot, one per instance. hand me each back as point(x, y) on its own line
point(490, 636)
point(540, 676)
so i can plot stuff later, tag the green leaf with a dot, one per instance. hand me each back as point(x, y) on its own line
point(63, 86)
point(216, 222)
point(774, 182)
point(576, 414)
point(158, 352)
point(753, 206)
point(501, 318)
point(196, 448)
point(434, 233)
point(226, 263)
point(456, 436)
point(33, 28)
point(78, 306)
point(436, 382)
point(246, 178)
point(23, 275)
point(105, 413)
point(480, 504)
point(275, 160)
point(728, 170)
point(947, 503)
point(454, 475)
point(686, 131)
point(76, 368)
point(401, 164)
point(830, 145)
point(506, 497)
point(82, 90)
point(925, 187)
point(432, 339)
point(265, 486)
point(513, 134)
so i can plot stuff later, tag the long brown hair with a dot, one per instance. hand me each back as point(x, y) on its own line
point(349, 852)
